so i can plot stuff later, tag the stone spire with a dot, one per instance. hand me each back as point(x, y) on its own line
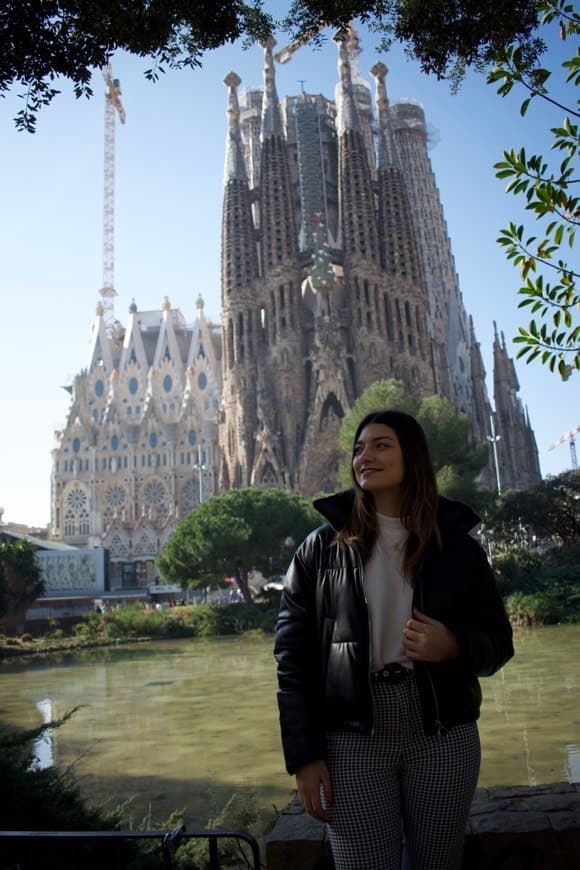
point(398, 234)
point(387, 155)
point(240, 275)
point(347, 117)
point(271, 118)
point(280, 315)
point(481, 404)
point(279, 240)
point(234, 167)
point(239, 253)
point(518, 453)
point(356, 197)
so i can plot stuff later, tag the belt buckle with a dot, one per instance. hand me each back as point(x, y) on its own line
point(393, 672)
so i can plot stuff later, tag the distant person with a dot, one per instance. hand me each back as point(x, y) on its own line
point(389, 612)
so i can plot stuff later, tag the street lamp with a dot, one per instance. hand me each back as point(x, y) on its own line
point(201, 468)
point(493, 438)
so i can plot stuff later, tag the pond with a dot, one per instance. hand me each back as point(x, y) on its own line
point(183, 724)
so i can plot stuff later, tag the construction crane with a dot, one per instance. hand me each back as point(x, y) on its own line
point(353, 45)
point(286, 53)
point(571, 437)
point(113, 107)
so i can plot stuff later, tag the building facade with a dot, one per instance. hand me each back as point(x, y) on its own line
point(337, 271)
point(139, 448)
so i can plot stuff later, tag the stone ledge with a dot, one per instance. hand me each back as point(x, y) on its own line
point(536, 827)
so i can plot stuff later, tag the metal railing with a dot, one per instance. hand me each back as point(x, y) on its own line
point(170, 841)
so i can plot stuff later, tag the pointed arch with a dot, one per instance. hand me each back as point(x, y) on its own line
point(332, 412)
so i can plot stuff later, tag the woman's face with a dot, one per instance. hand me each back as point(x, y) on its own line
point(378, 462)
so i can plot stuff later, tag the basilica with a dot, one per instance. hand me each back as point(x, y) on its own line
point(337, 271)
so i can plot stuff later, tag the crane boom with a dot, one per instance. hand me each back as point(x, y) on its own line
point(571, 437)
point(113, 107)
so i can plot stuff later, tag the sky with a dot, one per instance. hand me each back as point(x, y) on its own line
point(168, 200)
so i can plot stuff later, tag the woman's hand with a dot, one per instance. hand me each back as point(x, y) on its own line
point(428, 640)
point(309, 778)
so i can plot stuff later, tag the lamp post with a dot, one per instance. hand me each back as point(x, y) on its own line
point(201, 468)
point(493, 438)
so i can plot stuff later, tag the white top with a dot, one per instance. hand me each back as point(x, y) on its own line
point(389, 595)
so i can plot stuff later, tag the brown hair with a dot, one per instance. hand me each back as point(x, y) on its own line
point(419, 498)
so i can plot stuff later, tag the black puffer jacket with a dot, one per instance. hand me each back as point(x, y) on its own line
point(322, 636)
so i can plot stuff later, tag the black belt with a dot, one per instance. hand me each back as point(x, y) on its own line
point(392, 673)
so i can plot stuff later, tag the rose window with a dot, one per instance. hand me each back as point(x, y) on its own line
point(154, 493)
point(115, 497)
point(76, 500)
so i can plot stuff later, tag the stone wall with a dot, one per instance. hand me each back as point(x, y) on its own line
point(509, 828)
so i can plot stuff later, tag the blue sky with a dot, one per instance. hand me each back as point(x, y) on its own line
point(169, 168)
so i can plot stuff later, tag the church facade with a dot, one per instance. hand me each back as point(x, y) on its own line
point(139, 448)
point(337, 271)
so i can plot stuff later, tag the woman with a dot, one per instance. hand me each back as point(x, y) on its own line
point(389, 612)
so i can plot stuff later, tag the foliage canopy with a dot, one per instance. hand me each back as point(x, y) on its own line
point(70, 38)
point(550, 510)
point(230, 534)
point(20, 576)
point(457, 461)
point(546, 185)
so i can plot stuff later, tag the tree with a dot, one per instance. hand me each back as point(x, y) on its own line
point(550, 510)
point(549, 289)
point(70, 38)
point(445, 36)
point(231, 534)
point(457, 461)
point(20, 577)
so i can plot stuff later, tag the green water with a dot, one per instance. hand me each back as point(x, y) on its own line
point(182, 724)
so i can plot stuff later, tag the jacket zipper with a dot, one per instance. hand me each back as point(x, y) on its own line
point(362, 587)
point(441, 730)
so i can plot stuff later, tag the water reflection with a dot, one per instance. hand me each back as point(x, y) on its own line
point(182, 724)
point(573, 766)
point(530, 721)
point(43, 747)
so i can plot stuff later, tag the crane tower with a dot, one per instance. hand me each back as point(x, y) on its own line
point(571, 437)
point(113, 106)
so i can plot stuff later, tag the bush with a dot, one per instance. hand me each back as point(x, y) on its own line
point(239, 813)
point(198, 620)
point(52, 799)
point(540, 588)
point(537, 609)
point(209, 620)
point(516, 569)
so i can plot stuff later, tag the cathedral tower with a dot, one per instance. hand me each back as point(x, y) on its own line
point(240, 306)
point(281, 358)
point(517, 451)
point(337, 272)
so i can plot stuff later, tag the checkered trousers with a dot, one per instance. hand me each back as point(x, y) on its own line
point(401, 781)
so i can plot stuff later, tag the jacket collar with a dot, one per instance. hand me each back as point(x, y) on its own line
point(452, 515)
point(336, 508)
